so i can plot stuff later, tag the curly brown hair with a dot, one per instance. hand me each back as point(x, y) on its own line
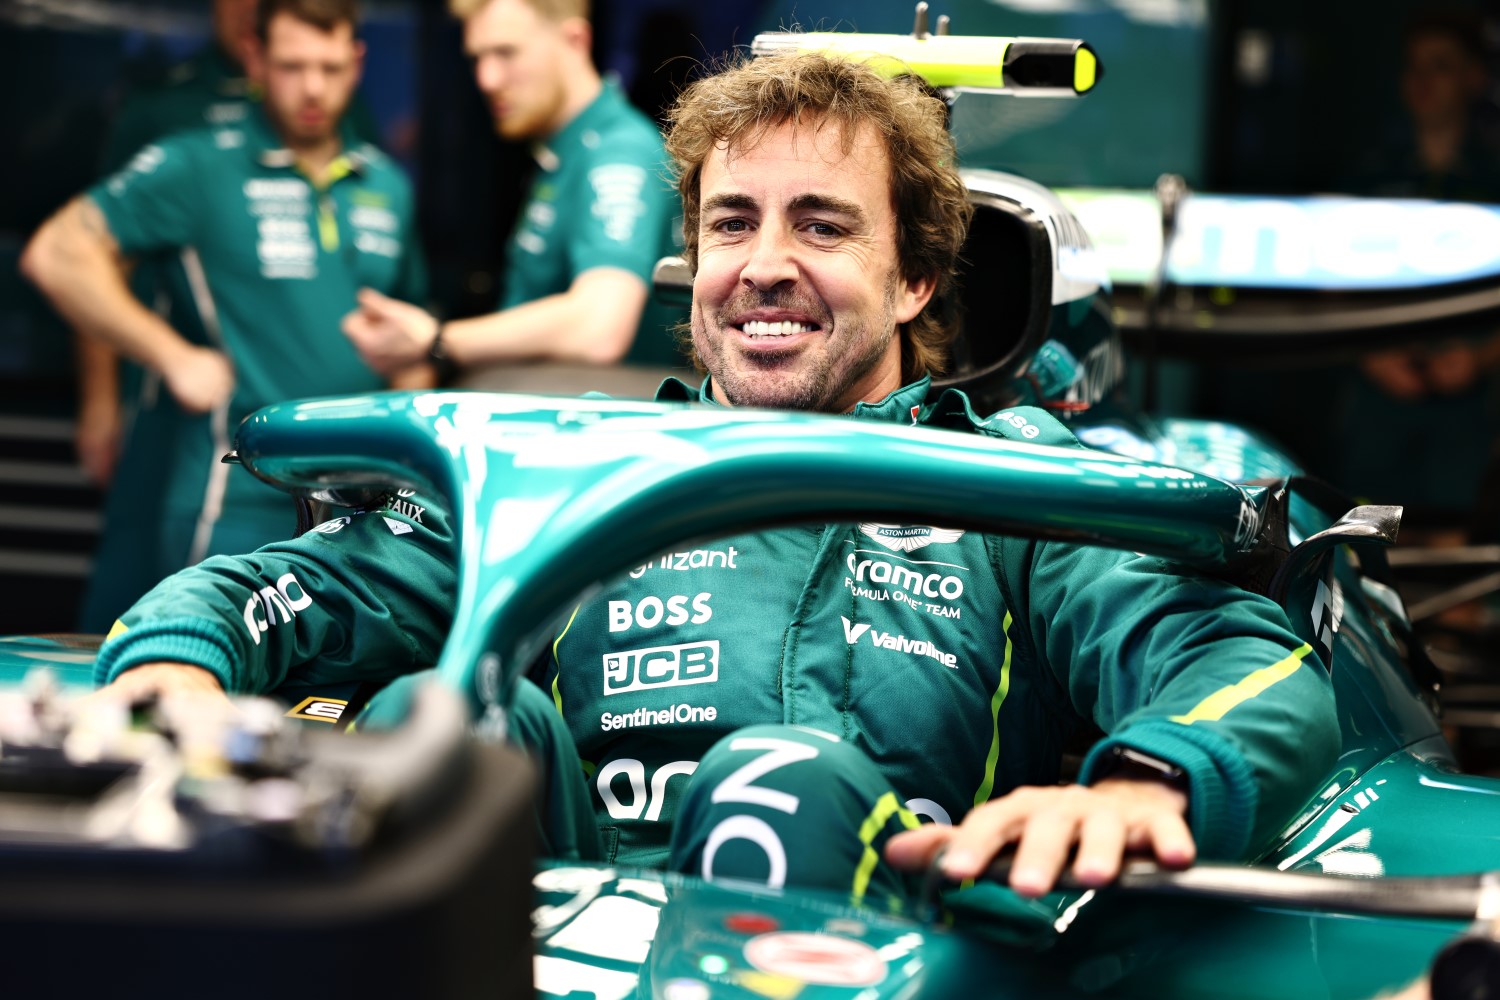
point(739, 105)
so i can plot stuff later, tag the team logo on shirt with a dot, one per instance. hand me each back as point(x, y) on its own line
point(328, 710)
point(661, 667)
point(908, 538)
point(617, 198)
point(651, 612)
point(898, 643)
point(681, 562)
point(275, 605)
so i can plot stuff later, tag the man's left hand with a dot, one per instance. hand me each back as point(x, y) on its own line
point(1104, 821)
point(389, 334)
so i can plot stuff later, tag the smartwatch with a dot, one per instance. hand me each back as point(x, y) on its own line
point(437, 356)
point(1127, 762)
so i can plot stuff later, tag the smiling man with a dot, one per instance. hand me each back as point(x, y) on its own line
point(781, 706)
point(599, 215)
point(276, 220)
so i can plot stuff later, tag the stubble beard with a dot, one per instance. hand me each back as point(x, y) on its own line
point(805, 378)
point(295, 138)
point(535, 123)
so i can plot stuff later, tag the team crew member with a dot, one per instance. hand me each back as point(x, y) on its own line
point(277, 222)
point(728, 700)
point(600, 213)
point(126, 423)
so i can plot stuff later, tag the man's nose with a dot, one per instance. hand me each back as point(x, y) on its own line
point(772, 259)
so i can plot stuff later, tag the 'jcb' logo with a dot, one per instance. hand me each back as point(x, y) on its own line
point(661, 667)
point(328, 710)
point(285, 599)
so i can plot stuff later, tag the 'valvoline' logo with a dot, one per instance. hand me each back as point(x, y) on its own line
point(900, 643)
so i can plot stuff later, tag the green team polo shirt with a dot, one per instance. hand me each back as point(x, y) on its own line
point(271, 263)
point(602, 197)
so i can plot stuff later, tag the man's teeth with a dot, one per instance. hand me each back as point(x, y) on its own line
point(785, 328)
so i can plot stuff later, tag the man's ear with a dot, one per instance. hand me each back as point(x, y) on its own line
point(914, 295)
point(359, 60)
point(254, 53)
point(578, 34)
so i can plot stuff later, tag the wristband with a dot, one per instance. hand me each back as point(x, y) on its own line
point(1126, 762)
point(437, 356)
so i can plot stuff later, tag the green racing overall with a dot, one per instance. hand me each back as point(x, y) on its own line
point(822, 686)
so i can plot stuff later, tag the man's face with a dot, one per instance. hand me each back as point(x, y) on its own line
point(1440, 80)
point(309, 76)
point(519, 61)
point(798, 291)
point(234, 26)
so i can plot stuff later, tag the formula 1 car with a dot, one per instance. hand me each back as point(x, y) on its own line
point(1383, 866)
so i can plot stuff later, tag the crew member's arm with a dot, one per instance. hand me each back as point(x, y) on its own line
point(350, 600)
point(594, 321)
point(96, 438)
point(76, 260)
point(410, 286)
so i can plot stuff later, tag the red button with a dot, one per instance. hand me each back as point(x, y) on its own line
point(751, 923)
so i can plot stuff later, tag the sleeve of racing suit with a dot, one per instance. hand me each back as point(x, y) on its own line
point(360, 597)
point(1191, 670)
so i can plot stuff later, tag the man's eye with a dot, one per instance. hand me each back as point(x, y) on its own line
point(732, 226)
point(823, 229)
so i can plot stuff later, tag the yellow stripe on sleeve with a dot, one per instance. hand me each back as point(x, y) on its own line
point(1214, 707)
point(885, 807)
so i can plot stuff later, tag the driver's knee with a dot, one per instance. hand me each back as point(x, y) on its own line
point(783, 805)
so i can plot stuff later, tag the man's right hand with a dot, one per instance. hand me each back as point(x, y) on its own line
point(389, 334)
point(162, 680)
point(96, 439)
point(199, 378)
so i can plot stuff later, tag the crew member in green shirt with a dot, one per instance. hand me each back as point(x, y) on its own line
point(601, 210)
point(276, 221)
point(126, 424)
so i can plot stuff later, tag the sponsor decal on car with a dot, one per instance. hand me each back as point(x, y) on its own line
point(816, 959)
point(898, 643)
point(661, 667)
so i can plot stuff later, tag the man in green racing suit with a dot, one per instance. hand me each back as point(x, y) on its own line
point(850, 679)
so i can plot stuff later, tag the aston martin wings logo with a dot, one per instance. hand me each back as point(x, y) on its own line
point(908, 538)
